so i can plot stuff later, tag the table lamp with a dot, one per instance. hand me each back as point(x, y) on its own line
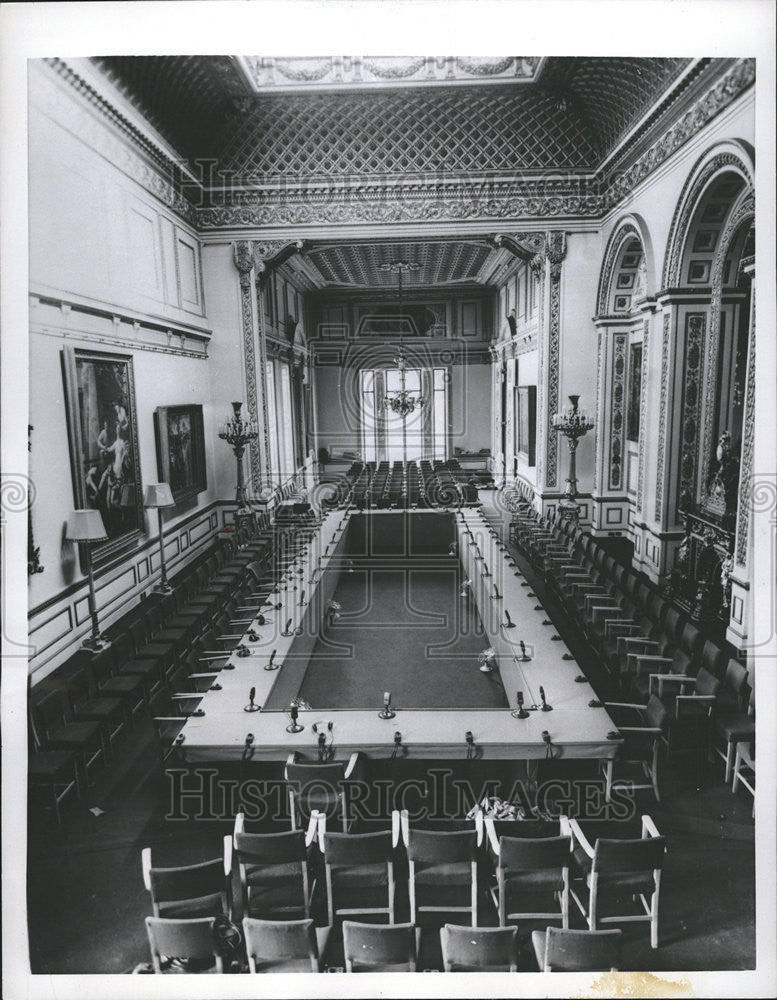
point(159, 495)
point(86, 527)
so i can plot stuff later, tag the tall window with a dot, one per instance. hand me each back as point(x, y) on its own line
point(287, 427)
point(272, 421)
point(425, 430)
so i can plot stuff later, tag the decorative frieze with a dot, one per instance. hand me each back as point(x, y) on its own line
point(244, 262)
point(695, 324)
point(643, 417)
point(662, 407)
point(617, 408)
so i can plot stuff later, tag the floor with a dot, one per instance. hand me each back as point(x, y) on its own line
point(86, 900)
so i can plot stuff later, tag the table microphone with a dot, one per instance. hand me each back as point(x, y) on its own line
point(387, 712)
point(302, 598)
point(252, 706)
point(294, 726)
point(485, 569)
point(520, 712)
point(545, 706)
point(287, 630)
point(272, 665)
point(496, 596)
point(524, 655)
point(509, 623)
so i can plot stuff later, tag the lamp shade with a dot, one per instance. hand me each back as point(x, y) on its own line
point(158, 495)
point(85, 526)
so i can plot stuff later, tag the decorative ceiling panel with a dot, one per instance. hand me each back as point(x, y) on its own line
point(440, 263)
point(483, 130)
point(339, 72)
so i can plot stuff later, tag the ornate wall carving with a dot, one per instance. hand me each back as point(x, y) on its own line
point(748, 431)
point(743, 211)
point(686, 206)
point(695, 325)
point(618, 423)
point(244, 262)
point(600, 344)
point(662, 406)
point(643, 430)
point(555, 251)
point(614, 244)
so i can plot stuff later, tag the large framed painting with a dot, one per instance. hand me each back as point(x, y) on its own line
point(104, 458)
point(527, 422)
point(180, 450)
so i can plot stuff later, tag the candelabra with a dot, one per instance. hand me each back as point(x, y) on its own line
point(573, 423)
point(238, 433)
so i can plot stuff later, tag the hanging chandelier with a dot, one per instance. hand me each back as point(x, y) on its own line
point(403, 401)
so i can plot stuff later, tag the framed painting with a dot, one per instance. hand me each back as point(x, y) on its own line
point(104, 458)
point(527, 422)
point(180, 450)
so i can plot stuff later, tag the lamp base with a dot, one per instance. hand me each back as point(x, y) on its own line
point(519, 713)
point(162, 588)
point(294, 727)
point(386, 713)
point(96, 644)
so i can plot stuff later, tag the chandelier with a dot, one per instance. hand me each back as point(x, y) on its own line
point(402, 401)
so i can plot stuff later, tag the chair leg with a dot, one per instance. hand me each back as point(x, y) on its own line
point(411, 891)
point(474, 896)
point(729, 760)
point(608, 780)
point(654, 912)
point(565, 903)
point(592, 895)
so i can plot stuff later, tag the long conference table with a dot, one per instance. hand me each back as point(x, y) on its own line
point(575, 728)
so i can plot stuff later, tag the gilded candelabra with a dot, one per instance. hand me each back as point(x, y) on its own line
point(573, 423)
point(238, 433)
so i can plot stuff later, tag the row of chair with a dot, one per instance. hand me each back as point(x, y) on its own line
point(677, 682)
point(80, 710)
point(290, 946)
point(525, 863)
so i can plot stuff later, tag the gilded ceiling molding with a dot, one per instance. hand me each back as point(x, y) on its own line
point(269, 254)
point(243, 259)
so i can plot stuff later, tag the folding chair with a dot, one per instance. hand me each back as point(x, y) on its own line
point(479, 949)
point(188, 891)
point(359, 870)
point(283, 945)
point(183, 939)
point(559, 950)
point(379, 947)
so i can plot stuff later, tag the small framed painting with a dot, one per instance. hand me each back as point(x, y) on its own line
point(180, 450)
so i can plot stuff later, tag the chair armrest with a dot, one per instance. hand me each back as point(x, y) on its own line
point(649, 828)
point(580, 837)
point(312, 831)
point(145, 861)
point(321, 827)
point(291, 759)
point(405, 826)
point(670, 679)
point(396, 832)
point(240, 823)
point(479, 826)
point(707, 698)
point(640, 729)
point(619, 628)
point(622, 704)
point(351, 764)
point(649, 661)
point(227, 855)
point(634, 640)
point(564, 828)
point(493, 840)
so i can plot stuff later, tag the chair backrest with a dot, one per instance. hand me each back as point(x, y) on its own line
point(672, 623)
point(281, 945)
point(201, 886)
point(735, 677)
point(522, 854)
point(581, 951)
point(349, 849)
point(182, 939)
point(379, 946)
point(49, 712)
point(706, 683)
point(691, 639)
point(492, 949)
point(531, 828)
point(655, 712)
point(628, 856)
point(270, 848)
point(441, 846)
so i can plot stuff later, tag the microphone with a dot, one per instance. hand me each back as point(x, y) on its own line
point(545, 706)
point(469, 739)
point(496, 596)
point(520, 712)
point(302, 598)
point(524, 655)
point(252, 706)
point(321, 746)
point(294, 726)
point(486, 571)
point(261, 620)
point(272, 665)
point(509, 623)
point(387, 712)
point(287, 629)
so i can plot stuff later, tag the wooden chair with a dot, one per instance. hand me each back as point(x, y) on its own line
point(642, 728)
point(189, 891)
point(560, 950)
point(274, 870)
point(379, 947)
point(479, 949)
point(528, 866)
point(359, 870)
point(617, 867)
point(283, 945)
point(190, 940)
point(318, 788)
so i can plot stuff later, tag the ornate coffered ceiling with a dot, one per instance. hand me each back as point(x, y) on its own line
point(360, 265)
point(301, 142)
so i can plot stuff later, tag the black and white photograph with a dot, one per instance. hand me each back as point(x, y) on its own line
point(402, 471)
